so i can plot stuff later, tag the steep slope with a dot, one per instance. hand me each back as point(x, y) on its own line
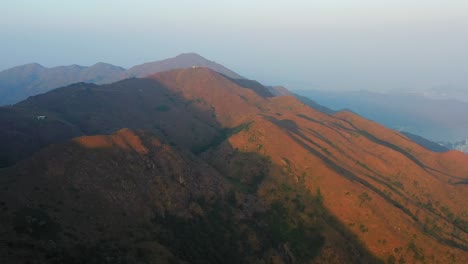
point(130, 197)
point(383, 167)
point(403, 202)
point(18, 83)
point(398, 198)
point(155, 103)
point(101, 200)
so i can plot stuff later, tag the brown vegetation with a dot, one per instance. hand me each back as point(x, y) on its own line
point(279, 180)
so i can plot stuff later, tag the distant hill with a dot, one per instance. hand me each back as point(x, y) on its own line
point(436, 120)
point(18, 83)
point(430, 145)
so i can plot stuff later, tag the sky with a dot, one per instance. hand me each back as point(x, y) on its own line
point(377, 45)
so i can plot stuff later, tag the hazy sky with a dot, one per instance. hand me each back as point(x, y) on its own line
point(319, 44)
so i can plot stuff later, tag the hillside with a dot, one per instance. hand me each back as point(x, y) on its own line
point(268, 179)
point(130, 197)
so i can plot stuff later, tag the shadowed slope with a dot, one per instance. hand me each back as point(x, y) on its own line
point(97, 199)
point(22, 134)
point(151, 104)
point(130, 197)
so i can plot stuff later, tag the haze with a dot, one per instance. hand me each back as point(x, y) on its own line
point(333, 44)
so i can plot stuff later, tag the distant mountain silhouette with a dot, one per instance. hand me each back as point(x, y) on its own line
point(189, 165)
point(436, 120)
point(430, 145)
point(18, 83)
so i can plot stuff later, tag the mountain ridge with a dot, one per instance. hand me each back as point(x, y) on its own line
point(19, 82)
point(278, 156)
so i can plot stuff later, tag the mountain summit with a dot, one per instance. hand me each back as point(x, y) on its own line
point(182, 61)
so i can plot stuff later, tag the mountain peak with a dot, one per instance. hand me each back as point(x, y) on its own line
point(195, 70)
point(181, 61)
point(103, 65)
point(190, 55)
point(29, 66)
point(100, 64)
point(34, 65)
point(201, 77)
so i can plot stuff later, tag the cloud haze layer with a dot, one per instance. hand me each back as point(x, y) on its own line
point(333, 44)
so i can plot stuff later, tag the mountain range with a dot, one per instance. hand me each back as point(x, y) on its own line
point(18, 83)
point(194, 166)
